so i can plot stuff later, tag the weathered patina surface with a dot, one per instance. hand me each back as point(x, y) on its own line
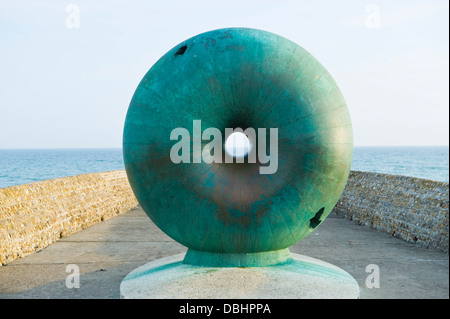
point(230, 78)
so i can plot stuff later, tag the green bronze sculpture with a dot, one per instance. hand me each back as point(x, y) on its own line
point(230, 214)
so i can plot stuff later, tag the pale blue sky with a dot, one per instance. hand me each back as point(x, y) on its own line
point(71, 87)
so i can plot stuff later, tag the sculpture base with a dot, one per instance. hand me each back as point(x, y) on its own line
point(210, 259)
point(301, 277)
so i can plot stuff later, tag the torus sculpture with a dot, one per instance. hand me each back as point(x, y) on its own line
point(236, 214)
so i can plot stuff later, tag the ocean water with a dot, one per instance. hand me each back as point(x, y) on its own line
point(26, 166)
point(429, 162)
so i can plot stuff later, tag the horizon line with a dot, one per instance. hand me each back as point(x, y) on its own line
point(112, 147)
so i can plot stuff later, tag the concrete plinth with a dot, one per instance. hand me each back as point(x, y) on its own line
point(303, 277)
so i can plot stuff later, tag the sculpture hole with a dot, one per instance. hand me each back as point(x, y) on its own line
point(181, 50)
point(315, 221)
point(237, 145)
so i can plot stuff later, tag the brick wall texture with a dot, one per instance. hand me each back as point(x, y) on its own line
point(32, 216)
point(413, 209)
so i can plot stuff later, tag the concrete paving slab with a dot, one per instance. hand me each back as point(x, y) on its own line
point(107, 252)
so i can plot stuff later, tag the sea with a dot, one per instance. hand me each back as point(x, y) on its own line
point(23, 166)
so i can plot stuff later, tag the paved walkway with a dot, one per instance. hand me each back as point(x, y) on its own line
point(106, 252)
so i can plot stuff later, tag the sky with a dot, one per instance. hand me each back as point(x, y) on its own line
point(68, 69)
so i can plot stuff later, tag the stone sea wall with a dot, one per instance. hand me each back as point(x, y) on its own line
point(413, 209)
point(32, 216)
